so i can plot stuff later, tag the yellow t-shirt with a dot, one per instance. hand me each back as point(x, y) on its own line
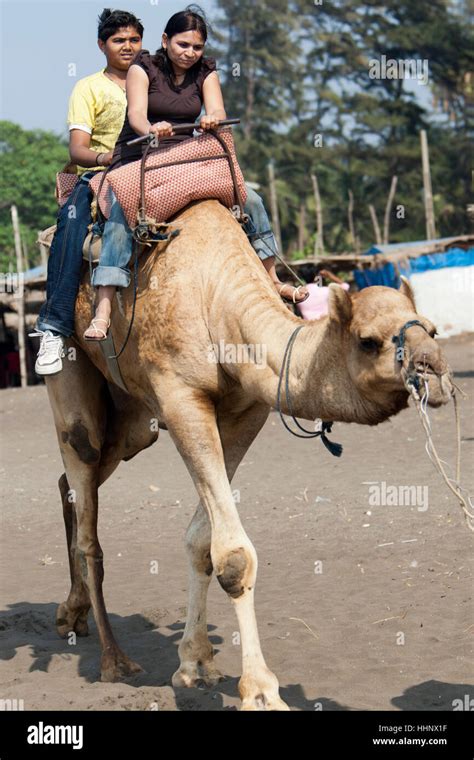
point(97, 106)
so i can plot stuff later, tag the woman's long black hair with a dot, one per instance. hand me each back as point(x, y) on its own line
point(188, 20)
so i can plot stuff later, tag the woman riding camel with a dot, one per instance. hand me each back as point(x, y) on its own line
point(170, 86)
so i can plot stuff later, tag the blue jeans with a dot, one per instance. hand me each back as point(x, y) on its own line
point(65, 260)
point(117, 241)
point(258, 228)
point(116, 251)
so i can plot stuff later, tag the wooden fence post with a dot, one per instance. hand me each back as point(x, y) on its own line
point(21, 297)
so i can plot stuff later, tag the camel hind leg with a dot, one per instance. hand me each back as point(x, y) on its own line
point(80, 401)
point(72, 614)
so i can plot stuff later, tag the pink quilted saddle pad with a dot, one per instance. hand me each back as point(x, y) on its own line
point(65, 184)
point(170, 188)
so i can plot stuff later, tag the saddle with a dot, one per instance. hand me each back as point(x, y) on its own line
point(158, 186)
point(168, 180)
point(45, 238)
point(151, 191)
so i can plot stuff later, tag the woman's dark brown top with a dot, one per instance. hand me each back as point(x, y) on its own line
point(182, 106)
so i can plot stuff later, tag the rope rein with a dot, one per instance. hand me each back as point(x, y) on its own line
point(453, 484)
point(412, 381)
point(334, 448)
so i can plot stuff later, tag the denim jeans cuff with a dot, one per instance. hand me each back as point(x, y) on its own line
point(43, 325)
point(103, 275)
point(263, 253)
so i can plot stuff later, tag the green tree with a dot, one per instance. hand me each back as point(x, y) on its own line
point(369, 127)
point(29, 161)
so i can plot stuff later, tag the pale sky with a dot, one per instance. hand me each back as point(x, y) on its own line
point(41, 38)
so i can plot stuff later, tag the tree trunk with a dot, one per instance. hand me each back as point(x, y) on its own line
point(274, 207)
point(427, 191)
point(375, 223)
point(388, 209)
point(350, 217)
point(302, 226)
point(319, 239)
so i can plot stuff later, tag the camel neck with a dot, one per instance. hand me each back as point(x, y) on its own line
point(261, 336)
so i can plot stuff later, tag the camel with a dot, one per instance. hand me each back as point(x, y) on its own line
point(204, 289)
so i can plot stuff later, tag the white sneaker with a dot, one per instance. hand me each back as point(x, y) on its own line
point(51, 351)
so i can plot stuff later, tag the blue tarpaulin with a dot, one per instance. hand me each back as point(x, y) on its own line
point(387, 274)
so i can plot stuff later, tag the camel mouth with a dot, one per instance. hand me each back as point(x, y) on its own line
point(436, 388)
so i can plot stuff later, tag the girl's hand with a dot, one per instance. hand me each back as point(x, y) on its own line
point(208, 122)
point(107, 158)
point(161, 129)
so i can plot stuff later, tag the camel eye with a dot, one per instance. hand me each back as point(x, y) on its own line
point(369, 345)
point(433, 333)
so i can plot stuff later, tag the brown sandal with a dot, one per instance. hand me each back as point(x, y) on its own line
point(97, 329)
point(295, 293)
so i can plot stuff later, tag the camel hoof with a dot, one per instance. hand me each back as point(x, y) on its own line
point(118, 667)
point(261, 692)
point(261, 703)
point(71, 621)
point(193, 675)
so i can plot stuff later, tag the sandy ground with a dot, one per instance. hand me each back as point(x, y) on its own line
point(360, 607)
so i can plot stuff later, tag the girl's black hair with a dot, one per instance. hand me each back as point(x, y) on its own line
point(110, 21)
point(189, 20)
point(308, 272)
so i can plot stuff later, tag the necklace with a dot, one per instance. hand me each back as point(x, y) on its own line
point(114, 81)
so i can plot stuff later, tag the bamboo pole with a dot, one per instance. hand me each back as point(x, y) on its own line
point(26, 260)
point(427, 190)
point(388, 210)
point(21, 297)
point(350, 216)
point(274, 206)
point(375, 223)
point(44, 255)
point(319, 239)
point(302, 226)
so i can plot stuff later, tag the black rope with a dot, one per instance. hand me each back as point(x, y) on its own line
point(399, 339)
point(334, 448)
point(256, 236)
point(141, 231)
point(412, 378)
point(134, 301)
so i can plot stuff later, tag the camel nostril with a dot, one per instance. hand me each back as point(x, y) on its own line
point(429, 364)
point(425, 368)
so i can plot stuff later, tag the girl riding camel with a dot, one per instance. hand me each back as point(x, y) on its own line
point(170, 86)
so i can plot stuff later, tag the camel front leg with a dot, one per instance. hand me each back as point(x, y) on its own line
point(237, 429)
point(191, 420)
point(196, 653)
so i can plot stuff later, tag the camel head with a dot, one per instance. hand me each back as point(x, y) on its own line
point(381, 350)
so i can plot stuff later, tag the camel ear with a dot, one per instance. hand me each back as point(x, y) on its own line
point(407, 290)
point(340, 305)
